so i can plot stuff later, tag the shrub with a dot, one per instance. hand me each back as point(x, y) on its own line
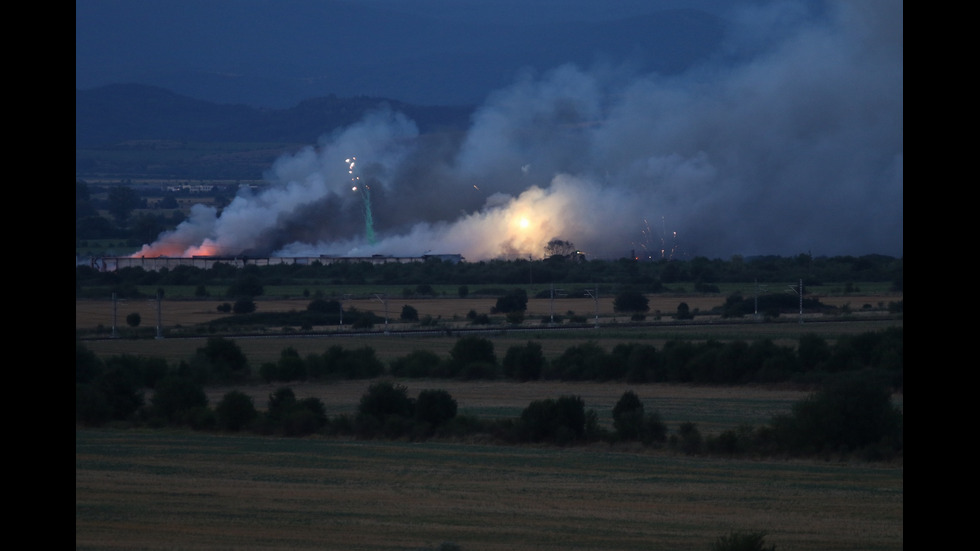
point(280, 403)
point(176, 397)
point(471, 350)
point(628, 416)
point(654, 430)
point(384, 399)
point(562, 420)
point(416, 364)
point(323, 306)
point(223, 359)
point(742, 541)
point(631, 301)
point(235, 411)
point(304, 417)
point(583, 362)
point(133, 320)
point(683, 312)
point(435, 407)
point(524, 362)
point(851, 414)
point(243, 306)
point(88, 365)
point(514, 301)
point(364, 321)
point(360, 363)
point(688, 439)
point(245, 285)
point(409, 313)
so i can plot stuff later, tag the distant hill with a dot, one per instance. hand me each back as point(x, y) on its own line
point(134, 132)
point(128, 112)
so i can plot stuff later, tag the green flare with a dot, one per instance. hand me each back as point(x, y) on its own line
point(368, 219)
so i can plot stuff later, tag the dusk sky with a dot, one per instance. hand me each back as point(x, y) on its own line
point(748, 127)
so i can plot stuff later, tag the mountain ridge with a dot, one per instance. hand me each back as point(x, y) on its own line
point(123, 112)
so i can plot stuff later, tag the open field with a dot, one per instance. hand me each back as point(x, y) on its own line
point(265, 348)
point(161, 490)
point(90, 314)
point(93, 313)
point(165, 490)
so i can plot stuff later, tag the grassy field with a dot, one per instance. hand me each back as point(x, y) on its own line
point(194, 491)
point(452, 314)
point(167, 490)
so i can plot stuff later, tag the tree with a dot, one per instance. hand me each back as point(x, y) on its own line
point(852, 414)
point(742, 541)
point(684, 312)
point(524, 362)
point(435, 407)
point(562, 420)
point(385, 399)
point(514, 301)
point(471, 350)
point(558, 247)
point(223, 359)
point(111, 394)
point(122, 201)
point(235, 411)
point(631, 301)
point(176, 397)
point(628, 416)
point(133, 320)
point(416, 364)
point(280, 402)
point(813, 351)
point(243, 306)
point(290, 366)
point(246, 285)
point(323, 306)
point(409, 313)
point(688, 438)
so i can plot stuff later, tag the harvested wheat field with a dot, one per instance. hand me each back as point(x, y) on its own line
point(195, 491)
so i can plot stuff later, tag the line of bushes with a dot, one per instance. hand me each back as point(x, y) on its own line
point(853, 416)
point(711, 362)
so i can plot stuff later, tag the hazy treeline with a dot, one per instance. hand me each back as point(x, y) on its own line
point(649, 276)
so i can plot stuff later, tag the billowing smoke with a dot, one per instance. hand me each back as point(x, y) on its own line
point(790, 142)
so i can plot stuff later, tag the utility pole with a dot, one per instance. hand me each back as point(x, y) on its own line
point(552, 304)
point(115, 333)
point(799, 291)
point(801, 301)
point(384, 301)
point(159, 314)
point(595, 297)
point(341, 302)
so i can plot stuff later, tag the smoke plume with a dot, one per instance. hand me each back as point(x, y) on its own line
point(791, 141)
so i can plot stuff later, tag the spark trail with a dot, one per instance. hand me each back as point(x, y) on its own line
point(366, 196)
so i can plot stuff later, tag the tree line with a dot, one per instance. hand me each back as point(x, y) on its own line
point(580, 276)
point(851, 413)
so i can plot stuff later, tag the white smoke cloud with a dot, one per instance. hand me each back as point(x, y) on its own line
point(795, 147)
